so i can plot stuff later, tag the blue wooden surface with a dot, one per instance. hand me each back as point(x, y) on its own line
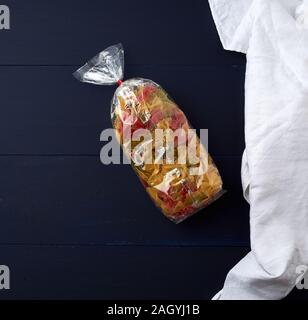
point(73, 228)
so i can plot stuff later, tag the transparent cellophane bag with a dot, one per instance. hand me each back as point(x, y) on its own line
point(140, 104)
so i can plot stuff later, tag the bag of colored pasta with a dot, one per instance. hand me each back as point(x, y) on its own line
point(163, 149)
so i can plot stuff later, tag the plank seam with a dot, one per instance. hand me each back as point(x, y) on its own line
point(122, 244)
point(130, 65)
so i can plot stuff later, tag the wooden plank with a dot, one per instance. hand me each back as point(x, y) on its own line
point(100, 272)
point(69, 31)
point(44, 110)
point(77, 200)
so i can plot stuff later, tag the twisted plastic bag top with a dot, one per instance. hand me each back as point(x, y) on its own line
point(106, 68)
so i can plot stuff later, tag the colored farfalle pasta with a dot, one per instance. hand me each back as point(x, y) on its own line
point(158, 139)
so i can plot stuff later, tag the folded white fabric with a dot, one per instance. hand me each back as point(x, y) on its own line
point(274, 36)
point(301, 14)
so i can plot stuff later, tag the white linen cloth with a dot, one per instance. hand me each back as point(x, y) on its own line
point(274, 35)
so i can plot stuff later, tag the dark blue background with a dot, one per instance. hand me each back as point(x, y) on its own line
point(73, 228)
